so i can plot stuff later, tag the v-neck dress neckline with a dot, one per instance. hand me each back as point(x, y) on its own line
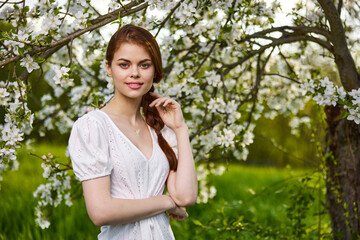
point(129, 141)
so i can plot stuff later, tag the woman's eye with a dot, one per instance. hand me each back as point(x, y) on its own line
point(123, 65)
point(145, 65)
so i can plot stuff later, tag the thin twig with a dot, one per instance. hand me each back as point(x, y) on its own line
point(70, 50)
point(277, 74)
point(66, 13)
point(68, 167)
point(204, 59)
point(3, 3)
point(204, 129)
point(282, 149)
point(167, 18)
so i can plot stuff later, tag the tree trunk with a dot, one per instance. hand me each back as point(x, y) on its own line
point(343, 168)
point(343, 140)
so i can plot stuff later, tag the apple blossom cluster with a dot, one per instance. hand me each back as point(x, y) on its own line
point(314, 17)
point(203, 172)
point(29, 63)
point(51, 194)
point(296, 122)
point(62, 77)
point(281, 97)
point(326, 93)
point(17, 122)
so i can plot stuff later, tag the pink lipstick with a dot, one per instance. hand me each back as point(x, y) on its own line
point(134, 85)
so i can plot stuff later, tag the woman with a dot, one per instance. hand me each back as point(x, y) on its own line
point(125, 159)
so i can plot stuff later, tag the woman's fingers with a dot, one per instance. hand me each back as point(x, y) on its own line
point(167, 101)
point(174, 216)
point(160, 101)
point(163, 101)
point(155, 94)
point(157, 101)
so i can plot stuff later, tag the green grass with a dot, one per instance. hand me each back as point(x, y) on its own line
point(258, 197)
point(17, 204)
point(255, 197)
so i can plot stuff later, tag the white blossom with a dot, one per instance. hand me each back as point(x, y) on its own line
point(212, 78)
point(341, 92)
point(217, 105)
point(4, 97)
point(29, 63)
point(62, 77)
point(53, 22)
point(43, 223)
point(354, 115)
point(81, 18)
point(11, 134)
point(248, 139)
point(22, 37)
point(226, 138)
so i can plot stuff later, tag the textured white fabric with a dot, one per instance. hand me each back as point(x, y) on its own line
point(98, 148)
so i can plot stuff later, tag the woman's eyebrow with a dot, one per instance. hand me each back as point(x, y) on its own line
point(123, 59)
point(126, 60)
point(145, 60)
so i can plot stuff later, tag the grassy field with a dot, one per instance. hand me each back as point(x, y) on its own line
point(251, 203)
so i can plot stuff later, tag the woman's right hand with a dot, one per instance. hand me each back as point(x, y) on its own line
point(178, 213)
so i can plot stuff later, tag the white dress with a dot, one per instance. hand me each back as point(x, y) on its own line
point(98, 148)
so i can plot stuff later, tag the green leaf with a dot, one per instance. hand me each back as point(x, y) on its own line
point(344, 114)
point(39, 59)
point(197, 222)
point(5, 34)
point(21, 51)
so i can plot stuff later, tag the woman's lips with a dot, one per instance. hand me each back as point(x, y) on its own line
point(134, 85)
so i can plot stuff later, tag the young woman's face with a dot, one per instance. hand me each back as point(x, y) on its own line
point(132, 71)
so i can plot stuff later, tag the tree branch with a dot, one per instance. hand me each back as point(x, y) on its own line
point(99, 22)
point(287, 62)
point(347, 69)
point(277, 74)
point(204, 59)
point(204, 129)
point(340, 4)
point(296, 30)
point(280, 41)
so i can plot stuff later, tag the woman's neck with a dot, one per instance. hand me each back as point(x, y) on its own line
point(126, 108)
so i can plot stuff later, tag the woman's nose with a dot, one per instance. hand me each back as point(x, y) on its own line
point(135, 72)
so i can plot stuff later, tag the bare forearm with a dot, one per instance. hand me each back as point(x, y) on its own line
point(123, 211)
point(103, 209)
point(184, 180)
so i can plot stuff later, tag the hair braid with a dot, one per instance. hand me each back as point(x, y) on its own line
point(154, 120)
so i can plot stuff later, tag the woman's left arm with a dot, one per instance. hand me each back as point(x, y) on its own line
point(182, 183)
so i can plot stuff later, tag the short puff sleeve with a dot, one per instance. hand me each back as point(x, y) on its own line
point(88, 148)
point(170, 137)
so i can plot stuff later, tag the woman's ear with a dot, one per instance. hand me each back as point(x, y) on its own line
point(108, 68)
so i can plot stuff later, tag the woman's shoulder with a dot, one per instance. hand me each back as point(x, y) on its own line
point(91, 125)
point(95, 116)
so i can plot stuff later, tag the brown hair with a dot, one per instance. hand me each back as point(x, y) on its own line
point(137, 35)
